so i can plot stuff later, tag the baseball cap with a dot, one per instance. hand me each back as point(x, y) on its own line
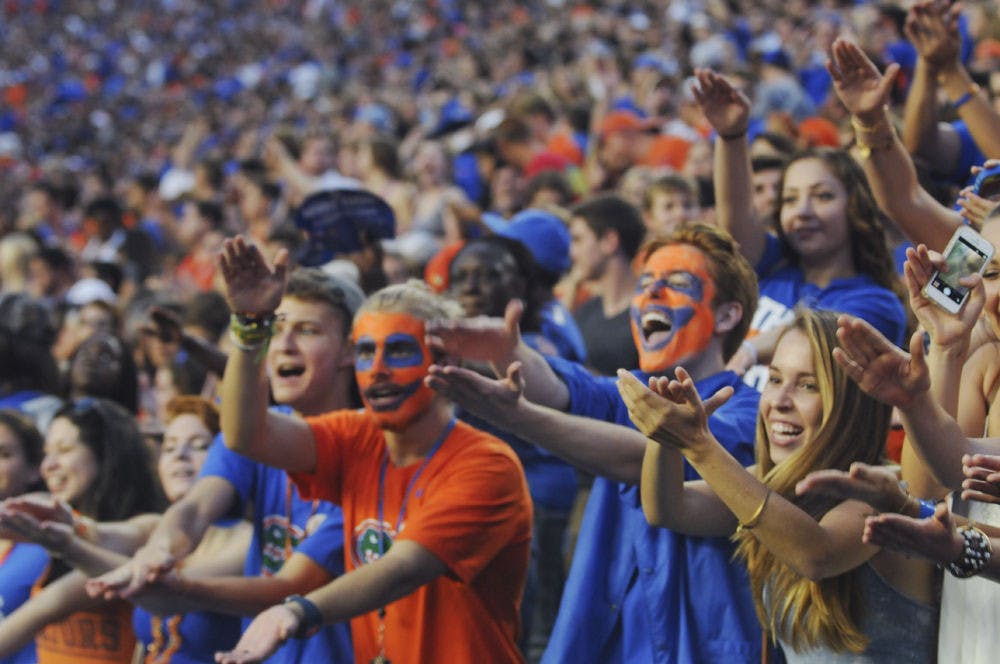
point(543, 233)
point(338, 222)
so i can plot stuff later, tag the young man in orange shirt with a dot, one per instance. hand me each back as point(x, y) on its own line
point(436, 513)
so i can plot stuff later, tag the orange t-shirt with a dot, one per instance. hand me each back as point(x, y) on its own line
point(100, 636)
point(470, 507)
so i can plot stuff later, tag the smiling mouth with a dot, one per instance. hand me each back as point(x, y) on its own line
point(655, 323)
point(782, 432)
point(388, 396)
point(290, 371)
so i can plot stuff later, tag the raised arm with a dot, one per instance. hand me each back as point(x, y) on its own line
point(814, 549)
point(887, 165)
point(728, 111)
point(601, 448)
point(902, 380)
point(254, 290)
point(499, 342)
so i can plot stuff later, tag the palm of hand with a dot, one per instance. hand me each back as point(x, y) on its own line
point(728, 113)
point(668, 422)
point(254, 291)
point(859, 90)
point(892, 379)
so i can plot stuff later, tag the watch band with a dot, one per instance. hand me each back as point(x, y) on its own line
point(311, 617)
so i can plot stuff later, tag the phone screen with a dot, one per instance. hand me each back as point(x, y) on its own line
point(963, 260)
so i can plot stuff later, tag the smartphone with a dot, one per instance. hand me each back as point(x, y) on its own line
point(967, 253)
point(987, 183)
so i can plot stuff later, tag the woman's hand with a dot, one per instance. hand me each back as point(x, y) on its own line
point(670, 411)
point(932, 27)
point(879, 368)
point(858, 83)
point(726, 108)
point(946, 329)
point(876, 485)
point(935, 538)
point(982, 478)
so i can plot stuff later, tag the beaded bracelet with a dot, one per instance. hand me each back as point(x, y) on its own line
point(975, 555)
point(249, 332)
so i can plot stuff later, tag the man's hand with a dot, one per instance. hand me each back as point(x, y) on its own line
point(264, 635)
point(932, 27)
point(880, 368)
point(480, 339)
point(494, 400)
point(252, 286)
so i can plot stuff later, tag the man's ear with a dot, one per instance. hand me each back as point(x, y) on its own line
point(727, 316)
point(610, 241)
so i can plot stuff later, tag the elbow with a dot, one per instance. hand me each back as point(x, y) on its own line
point(817, 566)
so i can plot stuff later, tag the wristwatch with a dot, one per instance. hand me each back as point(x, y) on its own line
point(312, 619)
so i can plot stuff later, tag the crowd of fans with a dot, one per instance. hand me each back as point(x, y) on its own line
point(600, 305)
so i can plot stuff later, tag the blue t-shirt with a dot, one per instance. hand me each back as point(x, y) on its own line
point(18, 573)
point(316, 531)
point(636, 593)
point(783, 287)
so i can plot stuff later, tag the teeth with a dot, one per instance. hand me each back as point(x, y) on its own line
point(655, 322)
point(786, 429)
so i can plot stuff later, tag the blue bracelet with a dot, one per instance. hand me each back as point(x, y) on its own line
point(958, 103)
point(926, 509)
point(311, 619)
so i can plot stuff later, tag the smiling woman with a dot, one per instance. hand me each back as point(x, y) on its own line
point(818, 589)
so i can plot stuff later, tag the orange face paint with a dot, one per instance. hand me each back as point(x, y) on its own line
point(672, 316)
point(390, 362)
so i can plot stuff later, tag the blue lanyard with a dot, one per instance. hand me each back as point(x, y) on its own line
point(406, 494)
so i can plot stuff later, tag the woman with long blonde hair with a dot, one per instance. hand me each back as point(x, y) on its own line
point(819, 591)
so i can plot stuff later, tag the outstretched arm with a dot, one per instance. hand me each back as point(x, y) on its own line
point(57, 600)
point(601, 448)
point(816, 550)
point(406, 567)
point(499, 342)
point(887, 165)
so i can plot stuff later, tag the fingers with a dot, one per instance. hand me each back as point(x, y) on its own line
point(717, 399)
point(512, 317)
point(823, 482)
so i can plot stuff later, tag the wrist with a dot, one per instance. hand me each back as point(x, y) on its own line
point(734, 135)
point(306, 612)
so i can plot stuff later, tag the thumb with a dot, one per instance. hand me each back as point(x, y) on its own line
point(716, 400)
point(888, 79)
point(512, 317)
point(281, 263)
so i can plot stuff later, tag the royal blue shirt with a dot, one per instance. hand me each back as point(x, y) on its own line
point(636, 593)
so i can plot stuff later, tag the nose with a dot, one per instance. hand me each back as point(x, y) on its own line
point(782, 398)
point(379, 366)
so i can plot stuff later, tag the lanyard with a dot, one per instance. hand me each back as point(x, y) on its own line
point(381, 658)
point(413, 480)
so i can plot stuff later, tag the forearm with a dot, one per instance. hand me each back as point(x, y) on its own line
point(233, 595)
point(244, 409)
point(91, 559)
point(920, 112)
point(56, 601)
point(378, 584)
point(938, 439)
point(792, 535)
point(734, 196)
point(893, 180)
point(945, 367)
point(601, 448)
point(541, 384)
point(977, 113)
point(668, 503)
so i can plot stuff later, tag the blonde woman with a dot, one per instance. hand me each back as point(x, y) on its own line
point(819, 591)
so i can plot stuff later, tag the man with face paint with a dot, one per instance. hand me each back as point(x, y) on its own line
point(634, 593)
point(437, 515)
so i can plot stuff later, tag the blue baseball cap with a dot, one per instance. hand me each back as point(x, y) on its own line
point(543, 233)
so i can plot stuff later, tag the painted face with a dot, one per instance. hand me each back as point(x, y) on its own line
point(391, 360)
point(16, 474)
point(69, 467)
point(790, 403)
point(672, 316)
point(185, 448)
point(814, 212)
point(306, 353)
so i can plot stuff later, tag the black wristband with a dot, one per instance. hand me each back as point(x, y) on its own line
point(311, 617)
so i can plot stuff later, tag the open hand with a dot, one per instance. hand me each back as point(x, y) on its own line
point(252, 285)
point(262, 637)
point(876, 485)
point(982, 478)
point(857, 81)
point(935, 538)
point(880, 368)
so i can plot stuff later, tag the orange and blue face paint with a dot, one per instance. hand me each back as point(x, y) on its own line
point(390, 362)
point(672, 316)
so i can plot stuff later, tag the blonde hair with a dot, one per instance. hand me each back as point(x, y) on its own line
point(415, 298)
point(824, 613)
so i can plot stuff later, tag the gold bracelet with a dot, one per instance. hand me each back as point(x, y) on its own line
point(755, 519)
